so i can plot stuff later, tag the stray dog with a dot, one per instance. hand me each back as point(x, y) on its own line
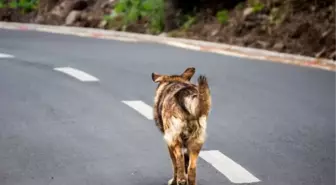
point(180, 112)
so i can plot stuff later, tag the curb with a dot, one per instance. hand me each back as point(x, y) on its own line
point(223, 49)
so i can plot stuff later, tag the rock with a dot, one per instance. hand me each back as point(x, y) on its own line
point(262, 17)
point(263, 44)
point(279, 46)
point(72, 17)
point(39, 19)
point(163, 34)
point(83, 15)
point(102, 24)
point(63, 9)
point(214, 32)
point(248, 11)
point(92, 20)
point(250, 24)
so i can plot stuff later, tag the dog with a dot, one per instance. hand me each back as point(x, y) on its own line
point(180, 111)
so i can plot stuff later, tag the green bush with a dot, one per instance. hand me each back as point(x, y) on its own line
point(190, 20)
point(222, 16)
point(24, 5)
point(256, 5)
point(133, 10)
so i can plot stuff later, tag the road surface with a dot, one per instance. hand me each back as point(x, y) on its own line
point(76, 111)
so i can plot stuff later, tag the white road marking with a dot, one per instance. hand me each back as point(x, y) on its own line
point(78, 74)
point(4, 55)
point(182, 45)
point(233, 171)
point(141, 107)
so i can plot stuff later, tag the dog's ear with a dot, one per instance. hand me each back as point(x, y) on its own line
point(157, 77)
point(188, 73)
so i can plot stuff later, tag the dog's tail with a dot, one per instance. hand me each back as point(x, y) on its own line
point(204, 97)
point(196, 101)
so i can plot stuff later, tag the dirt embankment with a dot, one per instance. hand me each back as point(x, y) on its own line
point(304, 27)
point(297, 26)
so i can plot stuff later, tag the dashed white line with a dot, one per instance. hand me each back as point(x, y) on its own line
point(78, 74)
point(233, 171)
point(4, 55)
point(141, 107)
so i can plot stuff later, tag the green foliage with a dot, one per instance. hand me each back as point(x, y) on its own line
point(277, 16)
point(256, 5)
point(133, 10)
point(190, 20)
point(222, 16)
point(24, 5)
point(240, 6)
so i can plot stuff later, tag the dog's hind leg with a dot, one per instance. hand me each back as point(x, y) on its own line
point(181, 178)
point(172, 156)
point(174, 141)
point(194, 150)
point(194, 147)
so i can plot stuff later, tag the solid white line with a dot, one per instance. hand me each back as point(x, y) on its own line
point(233, 171)
point(80, 75)
point(3, 55)
point(124, 39)
point(141, 107)
point(182, 45)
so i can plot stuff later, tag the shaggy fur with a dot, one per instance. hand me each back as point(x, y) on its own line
point(181, 110)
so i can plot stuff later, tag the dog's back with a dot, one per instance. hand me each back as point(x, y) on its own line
point(179, 105)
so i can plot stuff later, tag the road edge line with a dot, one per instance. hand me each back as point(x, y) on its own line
point(205, 46)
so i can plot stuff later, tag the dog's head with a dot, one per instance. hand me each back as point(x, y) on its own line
point(184, 77)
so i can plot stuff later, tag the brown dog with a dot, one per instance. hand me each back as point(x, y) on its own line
point(180, 112)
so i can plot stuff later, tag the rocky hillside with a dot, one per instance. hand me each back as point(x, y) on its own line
point(304, 27)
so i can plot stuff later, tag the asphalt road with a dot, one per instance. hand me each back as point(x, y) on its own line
point(275, 120)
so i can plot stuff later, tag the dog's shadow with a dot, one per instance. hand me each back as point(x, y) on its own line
point(165, 182)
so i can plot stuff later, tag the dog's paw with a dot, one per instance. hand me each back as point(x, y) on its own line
point(172, 182)
point(182, 182)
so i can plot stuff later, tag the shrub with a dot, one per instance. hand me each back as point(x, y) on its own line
point(133, 10)
point(222, 16)
point(24, 5)
point(256, 5)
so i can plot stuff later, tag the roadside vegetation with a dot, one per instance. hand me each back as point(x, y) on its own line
point(23, 5)
point(304, 27)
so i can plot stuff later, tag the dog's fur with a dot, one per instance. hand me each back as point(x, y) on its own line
point(180, 112)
